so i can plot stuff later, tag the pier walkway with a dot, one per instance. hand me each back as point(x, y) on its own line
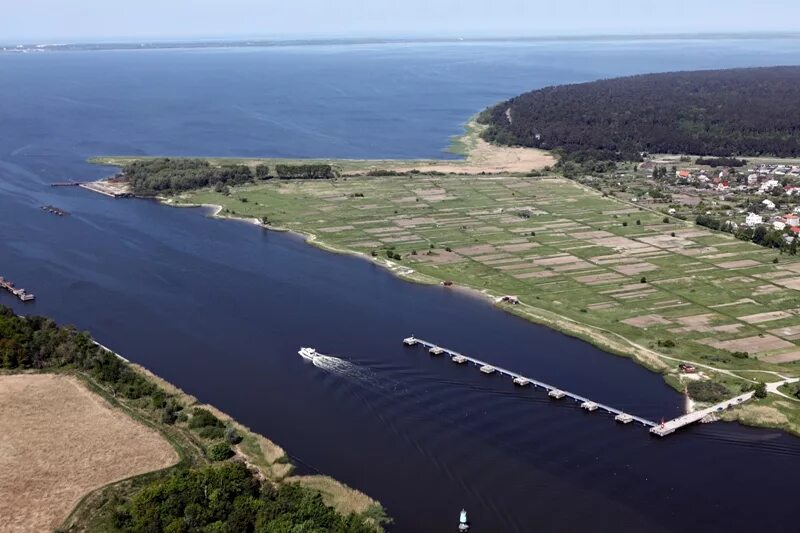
point(519, 379)
point(665, 428)
point(660, 429)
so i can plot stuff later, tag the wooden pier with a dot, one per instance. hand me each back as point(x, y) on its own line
point(521, 380)
point(20, 293)
point(663, 429)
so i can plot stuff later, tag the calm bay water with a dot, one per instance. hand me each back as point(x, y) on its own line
point(220, 308)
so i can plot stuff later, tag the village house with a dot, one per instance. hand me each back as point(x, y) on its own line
point(769, 204)
point(769, 185)
point(753, 220)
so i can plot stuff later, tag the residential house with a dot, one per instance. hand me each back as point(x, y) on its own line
point(753, 219)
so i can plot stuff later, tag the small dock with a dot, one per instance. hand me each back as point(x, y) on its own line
point(624, 418)
point(663, 429)
point(53, 210)
point(110, 188)
point(590, 406)
point(20, 293)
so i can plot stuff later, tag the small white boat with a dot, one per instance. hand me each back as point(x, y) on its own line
point(463, 523)
point(308, 353)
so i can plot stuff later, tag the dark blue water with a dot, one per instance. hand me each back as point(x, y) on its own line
point(220, 308)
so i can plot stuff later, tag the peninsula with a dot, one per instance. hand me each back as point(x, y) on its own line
point(598, 247)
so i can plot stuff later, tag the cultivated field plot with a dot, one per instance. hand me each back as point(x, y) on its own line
point(563, 248)
point(59, 441)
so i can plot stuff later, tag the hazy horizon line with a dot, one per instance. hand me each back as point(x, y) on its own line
point(389, 39)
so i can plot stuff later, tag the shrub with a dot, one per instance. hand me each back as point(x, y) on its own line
point(220, 451)
point(168, 417)
point(643, 280)
point(204, 418)
point(707, 391)
point(211, 432)
point(624, 223)
point(232, 436)
point(262, 172)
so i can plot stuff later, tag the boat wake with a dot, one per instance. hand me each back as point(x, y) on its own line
point(346, 369)
point(352, 372)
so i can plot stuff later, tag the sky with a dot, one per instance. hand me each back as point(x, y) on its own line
point(109, 20)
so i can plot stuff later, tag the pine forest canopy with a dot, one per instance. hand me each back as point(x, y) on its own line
point(735, 112)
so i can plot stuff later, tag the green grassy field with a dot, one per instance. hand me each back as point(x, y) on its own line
point(592, 266)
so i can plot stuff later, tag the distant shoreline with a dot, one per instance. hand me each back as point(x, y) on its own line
point(30, 45)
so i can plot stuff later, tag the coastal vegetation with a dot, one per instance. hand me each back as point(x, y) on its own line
point(238, 503)
point(713, 113)
point(252, 488)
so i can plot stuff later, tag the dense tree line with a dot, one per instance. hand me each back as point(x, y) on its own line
point(227, 498)
point(153, 177)
point(310, 171)
point(721, 162)
point(718, 113)
point(39, 343)
point(168, 176)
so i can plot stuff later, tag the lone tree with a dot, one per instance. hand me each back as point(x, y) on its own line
point(761, 390)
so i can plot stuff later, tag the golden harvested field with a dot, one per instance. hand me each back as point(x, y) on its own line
point(58, 442)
